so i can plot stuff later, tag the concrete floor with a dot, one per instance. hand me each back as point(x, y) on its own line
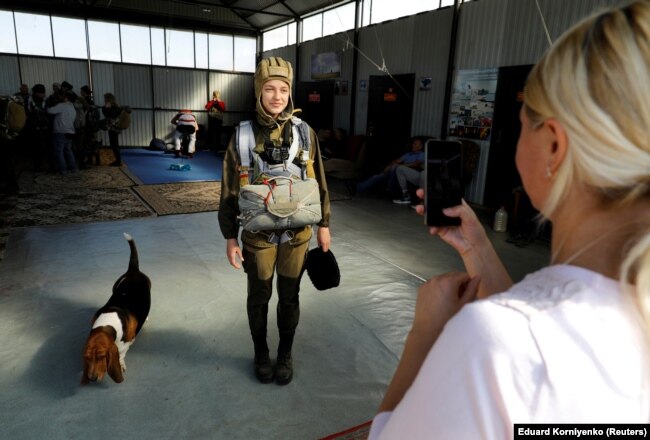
point(190, 373)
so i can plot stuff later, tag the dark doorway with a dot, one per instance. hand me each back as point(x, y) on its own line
point(503, 185)
point(390, 111)
point(502, 176)
point(316, 100)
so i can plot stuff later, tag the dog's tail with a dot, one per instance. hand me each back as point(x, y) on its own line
point(134, 264)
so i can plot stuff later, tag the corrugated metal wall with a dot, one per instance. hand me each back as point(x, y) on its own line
point(46, 71)
point(419, 45)
point(9, 77)
point(237, 92)
point(333, 43)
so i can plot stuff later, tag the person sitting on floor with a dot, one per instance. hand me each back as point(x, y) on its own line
point(413, 159)
point(405, 175)
point(185, 123)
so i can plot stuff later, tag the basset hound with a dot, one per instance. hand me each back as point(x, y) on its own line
point(116, 325)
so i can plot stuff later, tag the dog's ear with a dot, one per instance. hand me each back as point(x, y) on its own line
point(114, 367)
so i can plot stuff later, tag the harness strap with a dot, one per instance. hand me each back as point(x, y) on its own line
point(245, 144)
point(245, 137)
point(282, 238)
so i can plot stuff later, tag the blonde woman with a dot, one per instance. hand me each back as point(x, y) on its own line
point(569, 343)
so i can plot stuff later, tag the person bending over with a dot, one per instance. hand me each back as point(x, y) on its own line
point(186, 124)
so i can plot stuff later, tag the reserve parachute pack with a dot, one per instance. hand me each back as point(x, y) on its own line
point(278, 188)
point(123, 121)
point(12, 117)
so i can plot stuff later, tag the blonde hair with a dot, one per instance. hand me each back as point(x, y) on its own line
point(594, 81)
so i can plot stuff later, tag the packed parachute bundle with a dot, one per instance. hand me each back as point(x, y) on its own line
point(12, 117)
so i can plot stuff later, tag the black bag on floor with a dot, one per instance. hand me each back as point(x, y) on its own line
point(157, 144)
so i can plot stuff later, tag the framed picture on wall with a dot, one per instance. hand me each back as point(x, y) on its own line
point(326, 65)
point(472, 104)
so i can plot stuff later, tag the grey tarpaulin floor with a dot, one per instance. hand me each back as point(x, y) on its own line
point(190, 371)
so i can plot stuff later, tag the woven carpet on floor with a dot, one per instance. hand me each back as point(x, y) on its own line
point(95, 194)
point(181, 198)
point(94, 177)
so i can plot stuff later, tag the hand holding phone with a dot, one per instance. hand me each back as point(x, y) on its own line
point(444, 187)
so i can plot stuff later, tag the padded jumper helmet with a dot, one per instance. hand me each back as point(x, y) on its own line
point(267, 70)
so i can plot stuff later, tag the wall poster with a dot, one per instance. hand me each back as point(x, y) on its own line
point(326, 65)
point(472, 104)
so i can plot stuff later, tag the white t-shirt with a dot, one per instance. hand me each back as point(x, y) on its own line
point(565, 345)
point(64, 116)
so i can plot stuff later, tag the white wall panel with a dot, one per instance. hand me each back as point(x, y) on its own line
point(237, 91)
point(133, 85)
point(180, 88)
point(103, 82)
point(141, 130)
point(499, 33)
point(164, 128)
point(9, 76)
point(431, 39)
point(50, 70)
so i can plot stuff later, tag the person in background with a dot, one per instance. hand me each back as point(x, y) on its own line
point(264, 253)
point(63, 133)
point(23, 94)
point(185, 123)
point(216, 108)
point(570, 342)
point(412, 159)
point(405, 175)
point(38, 129)
point(52, 100)
point(111, 111)
point(66, 87)
point(90, 139)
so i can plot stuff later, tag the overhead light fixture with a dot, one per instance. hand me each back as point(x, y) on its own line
point(206, 10)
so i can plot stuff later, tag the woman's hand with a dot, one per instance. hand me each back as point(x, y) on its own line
point(439, 299)
point(469, 235)
point(323, 237)
point(233, 251)
point(474, 247)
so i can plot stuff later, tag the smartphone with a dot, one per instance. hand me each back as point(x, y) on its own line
point(443, 170)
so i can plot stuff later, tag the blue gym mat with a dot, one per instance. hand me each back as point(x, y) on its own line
point(153, 166)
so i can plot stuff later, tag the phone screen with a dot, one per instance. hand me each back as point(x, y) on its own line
point(444, 181)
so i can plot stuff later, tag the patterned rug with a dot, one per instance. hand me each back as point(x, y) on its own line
point(76, 205)
point(95, 177)
point(94, 194)
point(181, 198)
